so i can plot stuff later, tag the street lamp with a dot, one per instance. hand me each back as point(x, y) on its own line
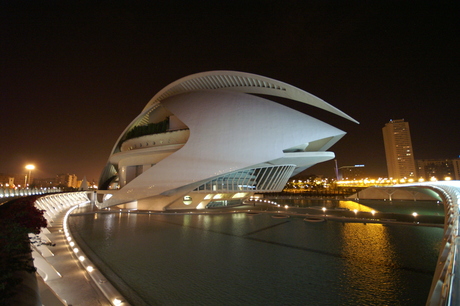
point(30, 168)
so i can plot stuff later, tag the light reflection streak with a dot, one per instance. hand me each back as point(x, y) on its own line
point(351, 205)
point(370, 256)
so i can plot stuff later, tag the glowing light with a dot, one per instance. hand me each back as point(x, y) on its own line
point(187, 200)
point(373, 212)
point(72, 243)
point(286, 206)
point(117, 301)
point(81, 258)
point(89, 269)
point(75, 250)
point(414, 214)
point(30, 168)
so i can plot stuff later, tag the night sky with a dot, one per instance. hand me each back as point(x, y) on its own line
point(74, 76)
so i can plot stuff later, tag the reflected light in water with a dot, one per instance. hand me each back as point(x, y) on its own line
point(239, 216)
point(354, 206)
point(370, 256)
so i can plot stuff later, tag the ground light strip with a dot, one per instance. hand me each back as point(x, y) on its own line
point(112, 294)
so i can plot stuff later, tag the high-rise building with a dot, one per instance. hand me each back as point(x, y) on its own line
point(398, 149)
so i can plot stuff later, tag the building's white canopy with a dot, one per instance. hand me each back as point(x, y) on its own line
point(242, 82)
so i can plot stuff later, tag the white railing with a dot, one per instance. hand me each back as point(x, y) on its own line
point(22, 192)
point(53, 205)
point(445, 287)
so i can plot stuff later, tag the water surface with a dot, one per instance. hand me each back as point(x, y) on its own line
point(234, 259)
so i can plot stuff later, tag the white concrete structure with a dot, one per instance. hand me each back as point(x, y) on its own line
point(446, 283)
point(207, 139)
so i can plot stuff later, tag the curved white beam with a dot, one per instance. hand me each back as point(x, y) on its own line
point(242, 82)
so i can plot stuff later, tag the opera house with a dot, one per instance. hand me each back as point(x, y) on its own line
point(213, 139)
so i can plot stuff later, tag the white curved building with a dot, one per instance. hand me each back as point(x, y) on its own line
point(208, 139)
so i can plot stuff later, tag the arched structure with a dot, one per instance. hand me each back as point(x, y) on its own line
point(207, 138)
point(446, 283)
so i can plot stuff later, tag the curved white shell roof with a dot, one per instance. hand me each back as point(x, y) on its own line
point(242, 82)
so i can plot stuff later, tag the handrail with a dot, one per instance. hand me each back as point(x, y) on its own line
point(445, 287)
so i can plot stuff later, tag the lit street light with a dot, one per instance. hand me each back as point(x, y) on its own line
point(30, 168)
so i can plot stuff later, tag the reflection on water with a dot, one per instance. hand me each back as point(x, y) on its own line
point(234, 259)
point(433, 208)
point(369, 261)
point(351, 205)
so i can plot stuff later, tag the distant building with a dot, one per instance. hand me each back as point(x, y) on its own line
point(13, 180)
point(456, 163)
point(440, 169)
point(45, 182)
point(355, 172)
point(67, 180)
point(6, 179)
point(398, 149)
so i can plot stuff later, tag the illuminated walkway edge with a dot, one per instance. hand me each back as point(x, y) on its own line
point(445, 286)
point(54, 206)
point(99, 279)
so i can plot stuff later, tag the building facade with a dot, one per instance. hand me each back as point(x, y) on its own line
point(208, 140)
point(438, 169)
point(66, 180)
point(355, 172)
point(398, 150)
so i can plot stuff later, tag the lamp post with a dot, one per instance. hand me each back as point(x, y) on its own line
point(30, 168)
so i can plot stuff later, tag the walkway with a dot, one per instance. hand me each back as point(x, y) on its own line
point(75, 286)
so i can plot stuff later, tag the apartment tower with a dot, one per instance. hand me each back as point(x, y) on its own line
point(398, 149)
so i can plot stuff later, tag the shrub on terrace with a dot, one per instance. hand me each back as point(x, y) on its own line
point(149, 129)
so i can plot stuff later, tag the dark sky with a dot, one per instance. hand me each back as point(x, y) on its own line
point(74, 76)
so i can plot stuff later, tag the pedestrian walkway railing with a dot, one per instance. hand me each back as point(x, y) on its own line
point(22, 192)
point(53, 204)
point(445, 287)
